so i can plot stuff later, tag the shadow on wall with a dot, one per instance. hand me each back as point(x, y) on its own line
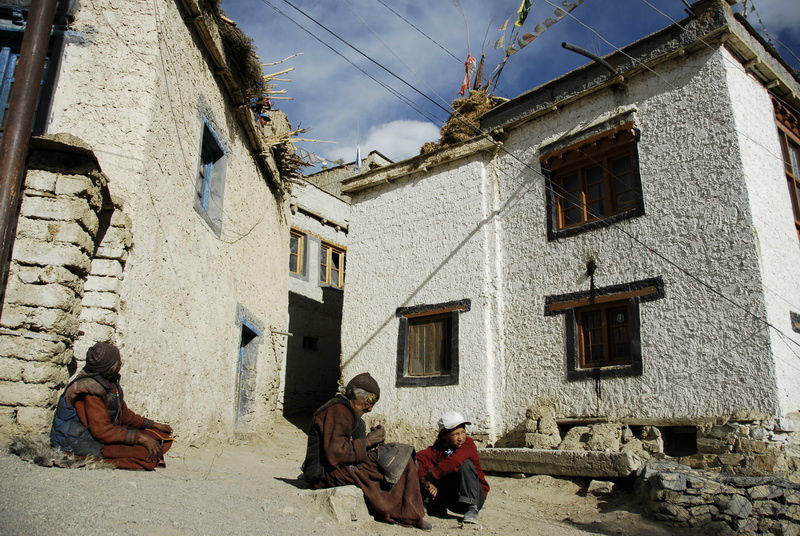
point(312, 352)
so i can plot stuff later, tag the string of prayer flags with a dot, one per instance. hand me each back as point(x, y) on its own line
point(559, 13)
point(469, 68)
point(522, 12)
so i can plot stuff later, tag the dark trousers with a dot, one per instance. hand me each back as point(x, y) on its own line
point(458, 491)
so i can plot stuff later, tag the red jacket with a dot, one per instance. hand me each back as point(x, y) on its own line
point(433, 460)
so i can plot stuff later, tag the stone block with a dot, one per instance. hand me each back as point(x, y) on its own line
point(54, 296)
point(8, 418)
point(745, 525)
point(764, 492)
point(675, 512)
point(98, 332)
point(99, 316)
point(707, 445)
point(605, 436)
point(101, 284)
point(726, 432)
point(792, 496)
point(76, 185)
point(787, 528)
point(765, 464)
point(671, 481)
point(751, 446)
point(34, 419)
point(343, 504)
point(117, 236)
point(718, 528)
point(120, 219)
point(707, 486)
point(40, 319)
point(793, 512)
point(541, 441)
point(31, 346)
point(37, 372)
point(36, 252)
point(600, 488)
point(733, 505)
point(47, 274)
point(23, 394)
point(43, 181)
point(56, 231)
point(731, 459)
point(103, 300)
point(61, 208)
point(677, 497)
point(106, 267)
point(700, 461)
point(559, 462)
point(111, 252)
point(768, 508)
point(11, 369)
point(575, 438)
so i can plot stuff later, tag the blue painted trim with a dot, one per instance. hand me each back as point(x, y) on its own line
point(249, 325)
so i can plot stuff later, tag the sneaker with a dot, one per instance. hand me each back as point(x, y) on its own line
point(472, 515)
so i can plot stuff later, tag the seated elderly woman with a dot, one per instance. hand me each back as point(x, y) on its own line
point(92, 418)
point(338, 454)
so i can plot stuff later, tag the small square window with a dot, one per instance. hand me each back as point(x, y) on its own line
point(602, 328)
point(210, 183)
point(331, 265)
point(593, 183)
point(297, 246)
point(427, 350)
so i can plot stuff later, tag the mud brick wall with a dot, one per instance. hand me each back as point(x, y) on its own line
point(720, 504)
point(57, 238)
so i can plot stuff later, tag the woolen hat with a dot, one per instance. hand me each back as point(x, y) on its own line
point(101, 358)
point(451, 420)
point(366, 382)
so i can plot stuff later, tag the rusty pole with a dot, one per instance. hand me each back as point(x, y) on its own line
point(17, 135)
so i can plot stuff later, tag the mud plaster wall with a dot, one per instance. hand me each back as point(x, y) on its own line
point(701, 356)
point(135, 85)
point(314, 310)
point(414, 242)
point(774, 232)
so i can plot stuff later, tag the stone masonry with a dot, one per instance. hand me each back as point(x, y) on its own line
point(718, 504)
point(56, 240)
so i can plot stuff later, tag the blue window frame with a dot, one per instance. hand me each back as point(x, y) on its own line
point(210, 185)
point(8, 64)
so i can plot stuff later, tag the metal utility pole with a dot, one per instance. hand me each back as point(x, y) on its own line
point(19, 123)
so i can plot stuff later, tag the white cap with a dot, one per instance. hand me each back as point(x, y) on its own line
point(450, 420)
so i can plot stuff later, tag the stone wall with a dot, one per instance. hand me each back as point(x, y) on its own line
point(718, 504)
point(55, 242)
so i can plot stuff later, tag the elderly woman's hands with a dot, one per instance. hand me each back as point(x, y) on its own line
point(376, 436)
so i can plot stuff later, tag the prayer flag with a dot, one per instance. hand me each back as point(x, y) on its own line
point(504, 26)
point(522, 13)
point(358, 157)
point(469, 67)
point(500, 43)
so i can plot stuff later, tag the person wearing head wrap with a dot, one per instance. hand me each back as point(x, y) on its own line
point(340, 452)
point(450, 471)
point(92, 419)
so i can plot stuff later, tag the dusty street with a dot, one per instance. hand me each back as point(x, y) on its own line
point(250, 489)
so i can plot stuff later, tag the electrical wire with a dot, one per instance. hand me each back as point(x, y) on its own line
point(431, 39)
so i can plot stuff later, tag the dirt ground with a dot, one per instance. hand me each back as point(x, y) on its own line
point(222, 489)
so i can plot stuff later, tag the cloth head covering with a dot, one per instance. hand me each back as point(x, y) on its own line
point(366, 382)
point(101, 358)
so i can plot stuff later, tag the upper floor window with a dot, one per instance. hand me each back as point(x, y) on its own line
point(210, 184)
point(297, 246)
point(789, 134)
point(593, 182)
point(427, 352)
point(602, 328)
point(331, 265)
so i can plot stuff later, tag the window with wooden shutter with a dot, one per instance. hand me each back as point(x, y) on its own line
point(427, 352)
point(331, 265)
point(594, 182)
point(789, 134)
point(297, 246)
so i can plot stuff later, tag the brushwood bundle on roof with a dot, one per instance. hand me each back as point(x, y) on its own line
point(464, 123)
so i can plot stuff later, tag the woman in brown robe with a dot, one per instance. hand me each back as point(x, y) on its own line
point(92, 418)
point(337, 455)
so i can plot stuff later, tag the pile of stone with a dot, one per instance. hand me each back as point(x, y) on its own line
point(720, 504)
point(748, 443)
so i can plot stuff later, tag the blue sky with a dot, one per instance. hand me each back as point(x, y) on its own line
point(336, 102)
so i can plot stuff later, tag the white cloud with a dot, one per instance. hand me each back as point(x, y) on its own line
point(396, 140)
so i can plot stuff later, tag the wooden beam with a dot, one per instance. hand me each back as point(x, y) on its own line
point(583, 302)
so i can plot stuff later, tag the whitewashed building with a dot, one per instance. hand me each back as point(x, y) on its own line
point(186, 270)
point(627, 249)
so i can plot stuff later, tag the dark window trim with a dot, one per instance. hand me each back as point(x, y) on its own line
point(551, 203)
point(303, 257)
point(794, 318)
point(635, 368)
point(454, 308)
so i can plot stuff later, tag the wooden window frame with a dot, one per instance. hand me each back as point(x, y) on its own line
point(300, 255)
point(410, 316)
point(788, 125)
point(574, 305)
point(576, 159)
point(326, 267)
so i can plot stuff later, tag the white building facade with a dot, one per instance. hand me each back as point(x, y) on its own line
point(627, 251)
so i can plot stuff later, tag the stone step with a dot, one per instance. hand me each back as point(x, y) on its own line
point(586, 463)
